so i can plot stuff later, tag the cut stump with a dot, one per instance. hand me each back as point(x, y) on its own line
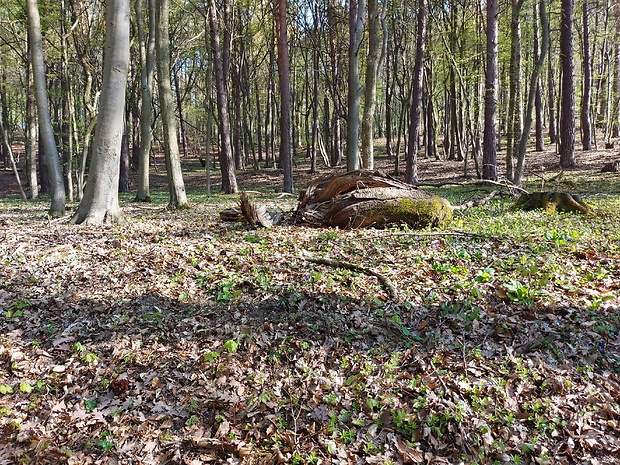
point(552, 202)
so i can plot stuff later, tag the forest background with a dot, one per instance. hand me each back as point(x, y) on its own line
point(172, 337)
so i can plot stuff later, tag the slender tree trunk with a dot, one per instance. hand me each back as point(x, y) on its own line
point(5, 142)
point(229, 180)
point(489, 144)
point(567, 116)
point(286, 155)
point(513, 124)
point(615, 113)
point(551, 102)
point(356, 28)
point(176, 187)
point(586, 128)
point(540, 63)
point(46, 132)
point(538, 104)
point(100, 201)
point(373, 68)
point(147, 58)
point(31, 137)
point(315, 108)
point(182, 136)
point(411, 171)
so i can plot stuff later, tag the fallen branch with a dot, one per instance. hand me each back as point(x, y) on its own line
point(476, 203)
point(385, 282)
point(478, 182)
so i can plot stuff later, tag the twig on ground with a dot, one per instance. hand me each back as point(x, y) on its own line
point(385, 282)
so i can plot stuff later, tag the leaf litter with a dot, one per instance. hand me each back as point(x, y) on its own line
point(179, 339)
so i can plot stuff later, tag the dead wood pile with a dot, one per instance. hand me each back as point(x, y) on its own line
point(363, 198)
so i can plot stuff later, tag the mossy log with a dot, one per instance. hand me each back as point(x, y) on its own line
point(365, 198)
point(552, 202)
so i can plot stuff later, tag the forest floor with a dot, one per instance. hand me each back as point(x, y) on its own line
point(175, 338)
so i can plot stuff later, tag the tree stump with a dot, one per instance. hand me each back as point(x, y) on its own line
point(611, 167)
point(552, 202)
point(363, 198)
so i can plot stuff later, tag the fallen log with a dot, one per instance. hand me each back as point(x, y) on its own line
point(363, 198)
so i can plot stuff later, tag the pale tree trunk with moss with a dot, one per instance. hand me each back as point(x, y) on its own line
point(376, 48)
point(567, 103)
point(147, 58)
point(176, 187)
point(46, 132)
point(100, 202)
point(586, 126)
point(356, 28)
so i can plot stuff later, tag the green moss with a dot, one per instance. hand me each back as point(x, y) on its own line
point(416, 212)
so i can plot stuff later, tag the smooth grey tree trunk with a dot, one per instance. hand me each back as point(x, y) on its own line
point(176, 187)
point(31, 138)
point(147, 59)
point(100, 202)
point(356, 28)
point(489, 143)
point(46, 132)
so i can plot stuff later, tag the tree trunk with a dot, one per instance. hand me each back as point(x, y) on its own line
point(586, 129)
point(46, 133)
point(489, 144)
point(286, 155)
point(551, 102)
point(147, 58)
point(538, 104)
point(31, 137)
point(513, 124)
point(411, 171)
point(5, 142)
point(176, 187)
point(373, 68)
point(538, 66)
point(356, 28)
point(100, 201)
point(567, 116)
point(229, 180)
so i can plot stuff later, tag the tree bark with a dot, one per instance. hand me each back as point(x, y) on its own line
point(31, 138)
point(567, 116)
point(46, 132)
point(586, 128)
point(538, 104)
point(176, 187)
point(100, 201)
point(286, 155)
point(147, 58)
point(538, 66)
point(489, 144)
point(411, 171)
point(373, 68)
point(229, 180)
point(514, 122)
point(356, 28)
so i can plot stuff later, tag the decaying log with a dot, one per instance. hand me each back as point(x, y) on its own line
point(611, 167)
point(552, 202)
point(363, 198)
